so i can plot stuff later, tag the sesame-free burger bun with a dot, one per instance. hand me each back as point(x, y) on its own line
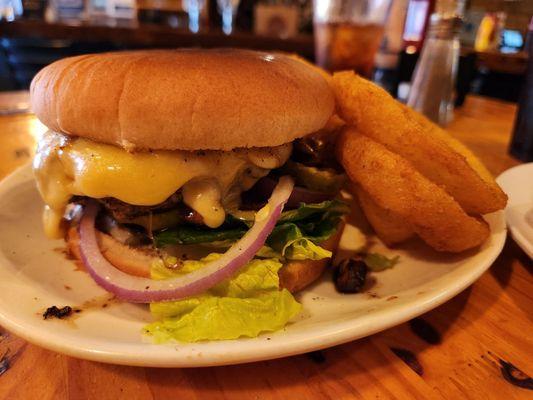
point(183, 99)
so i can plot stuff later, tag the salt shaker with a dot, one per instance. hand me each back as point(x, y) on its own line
point(432, 90)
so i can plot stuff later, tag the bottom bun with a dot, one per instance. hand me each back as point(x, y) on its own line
point(298, 274)
point(294, 275)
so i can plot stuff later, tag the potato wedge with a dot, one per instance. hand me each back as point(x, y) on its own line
point(394, 184)
point(428, 148)
point(471, 159)
point(389, 227)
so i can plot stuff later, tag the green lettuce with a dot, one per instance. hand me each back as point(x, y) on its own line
point(299, 231)
point(304, 211)
point(296, 236)
point(225, 318)
point(289, 242)
point(378, 262)
point(304, 249)
point(243, 306)
point(189, 234)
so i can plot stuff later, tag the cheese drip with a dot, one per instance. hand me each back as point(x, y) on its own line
point(64, 167)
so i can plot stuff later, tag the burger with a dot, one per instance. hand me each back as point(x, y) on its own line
point(201, 182)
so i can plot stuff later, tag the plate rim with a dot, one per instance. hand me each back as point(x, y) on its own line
point(344, 332)
point(523, 243)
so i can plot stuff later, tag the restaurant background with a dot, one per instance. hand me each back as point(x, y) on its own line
point(34, 33)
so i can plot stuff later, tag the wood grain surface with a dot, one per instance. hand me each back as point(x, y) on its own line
point(461, 350)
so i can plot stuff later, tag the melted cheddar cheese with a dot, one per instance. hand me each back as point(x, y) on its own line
point(64, 167)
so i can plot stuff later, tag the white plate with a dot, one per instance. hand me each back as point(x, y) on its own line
point(517, 182)
point(35, 275)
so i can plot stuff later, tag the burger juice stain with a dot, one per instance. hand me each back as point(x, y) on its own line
point(22, 152)
point(55, 312)
point(317, 357)
point(425, 331)
point(509, 372)
point(11, 347)
point(515, 376)
point(408, 357)
point(68, 312)
point(65, 252)
point(4, 363)
point(98, 302)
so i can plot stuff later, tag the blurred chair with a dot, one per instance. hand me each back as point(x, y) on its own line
point(7, 80)
point(22, 58)
point(26, 56)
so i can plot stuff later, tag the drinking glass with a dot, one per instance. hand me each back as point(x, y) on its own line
point(228, 9)
point(10, 9)
point(193, 8)
point(348, 33)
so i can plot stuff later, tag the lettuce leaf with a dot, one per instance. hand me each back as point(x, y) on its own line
point(296, 236)
point(304, 249)
point(244, 306)
point(225, 318)
point(378, 262)
point(332, 207)
point(299, 231)
point(289, 242)
point(189, 234)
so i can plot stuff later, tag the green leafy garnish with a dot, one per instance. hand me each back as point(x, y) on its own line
point(304, 249)
point(378, 262)
point(332, 207)
point(290, 242)
point(297, 234)
point(188, 234)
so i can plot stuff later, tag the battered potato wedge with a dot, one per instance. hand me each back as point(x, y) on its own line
point(389, 227)
point(428, 148)
point(460, 148)
point(394, 184)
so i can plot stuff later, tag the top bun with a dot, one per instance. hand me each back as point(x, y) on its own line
point(183, 99)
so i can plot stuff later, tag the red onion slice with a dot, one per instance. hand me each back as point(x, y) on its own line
point(143, 290)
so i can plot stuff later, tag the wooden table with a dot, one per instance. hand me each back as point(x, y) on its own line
point(453, 352)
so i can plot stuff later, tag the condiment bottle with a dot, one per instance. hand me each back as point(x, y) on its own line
point(432, 90)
